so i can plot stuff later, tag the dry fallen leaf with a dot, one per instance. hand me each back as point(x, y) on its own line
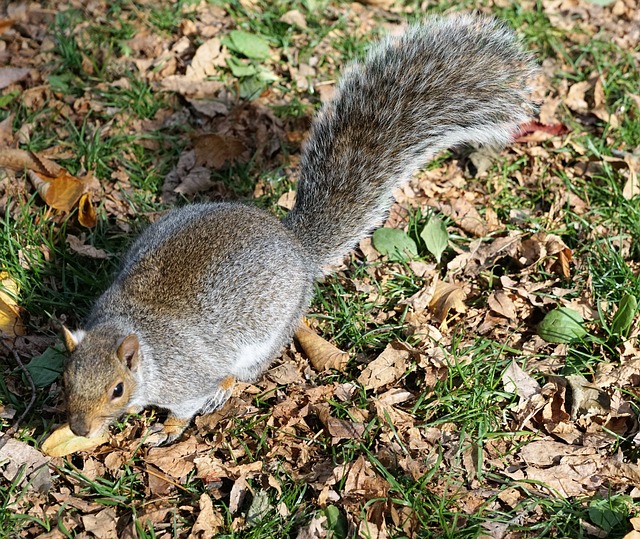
point(21, 463)
point(322, 354)
point(387, 368)
point(19, 160)
point(61, 192)
point(287, 200)
point(516, 380)
point(78, 246)
point(294, 18)
point(209, 521)
point(446, 297)
point(10, 322)
point(86, 212)
point(501, 302)
point(10, 75)
point(208, 57)
point(102, 525)
point(63, 442)
point(215, 150)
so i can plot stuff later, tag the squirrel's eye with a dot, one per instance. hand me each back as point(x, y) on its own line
point(117, 391)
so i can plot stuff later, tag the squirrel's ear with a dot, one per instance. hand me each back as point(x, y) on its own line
point(71, 338)
point(129, 351)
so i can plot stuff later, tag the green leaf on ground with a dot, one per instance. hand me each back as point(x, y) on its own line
point(562, 325)
point(46, 368)
point(250, 45)
point(625, 315)
point(394, 243)
point(435, 237)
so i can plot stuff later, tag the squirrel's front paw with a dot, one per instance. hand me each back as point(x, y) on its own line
point(164, 434)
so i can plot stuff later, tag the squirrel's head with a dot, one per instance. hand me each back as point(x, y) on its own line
point(99, 377)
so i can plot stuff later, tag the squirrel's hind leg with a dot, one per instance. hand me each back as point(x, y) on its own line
point(174, 426)
point(220, 396)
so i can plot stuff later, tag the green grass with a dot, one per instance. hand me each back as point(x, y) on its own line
point(469, 404)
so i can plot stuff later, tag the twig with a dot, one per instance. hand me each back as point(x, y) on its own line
point(6, 436)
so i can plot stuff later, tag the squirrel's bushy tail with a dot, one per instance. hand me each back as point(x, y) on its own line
point(448, 81)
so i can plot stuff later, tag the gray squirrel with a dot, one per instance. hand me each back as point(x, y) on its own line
point(210, 293)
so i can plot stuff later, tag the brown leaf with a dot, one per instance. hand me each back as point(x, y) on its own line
point(387, 368)
point(363, 480)
point(19, 160)
point(176, 460)
point(632, 185)
point(197, 180)
point(501, 302)
point(548, 452)
point(21, 463)
point(339, 429)
point(466, 216)
point(322, 355)
point(586, 397)
point(209, 521)
point(515, 380)
point(294, 18)
point(575, 99)
point(102, 525)
point(287, 200)
point(78, 246)
point(193, 89)
point(6, 130)
point(10, 323)
point(61, 192)
point(215, 150)
point(11, 75)
point(237, 494)
point(5, 24)
point(86, 212)
point(207, 58)
point(447, 296)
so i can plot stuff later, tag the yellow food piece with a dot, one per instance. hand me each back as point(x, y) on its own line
point(63, 442)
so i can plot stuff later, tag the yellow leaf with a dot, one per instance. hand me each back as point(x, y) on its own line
point(62, 192)
point(10, 322)
point(63, 442)
point(86, 212)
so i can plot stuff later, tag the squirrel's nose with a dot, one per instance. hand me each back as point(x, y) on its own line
point(78, 426)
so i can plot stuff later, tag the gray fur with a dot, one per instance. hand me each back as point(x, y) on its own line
point(449, 81)
point(215, 290)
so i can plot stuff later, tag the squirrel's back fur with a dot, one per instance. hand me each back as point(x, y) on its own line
point(448, 81)
point(211, 292)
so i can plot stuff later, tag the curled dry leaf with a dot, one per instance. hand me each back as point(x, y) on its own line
point(63, 442)
point(61, 192)
point(446, 297)
point(322, 354)
point(86, 212)
point(10, 322)
point(19, 160)
point(78, 246)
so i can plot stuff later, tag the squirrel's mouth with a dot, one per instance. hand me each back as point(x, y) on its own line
point(83, 426)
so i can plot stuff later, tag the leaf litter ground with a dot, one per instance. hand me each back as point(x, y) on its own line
point(451, 415)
